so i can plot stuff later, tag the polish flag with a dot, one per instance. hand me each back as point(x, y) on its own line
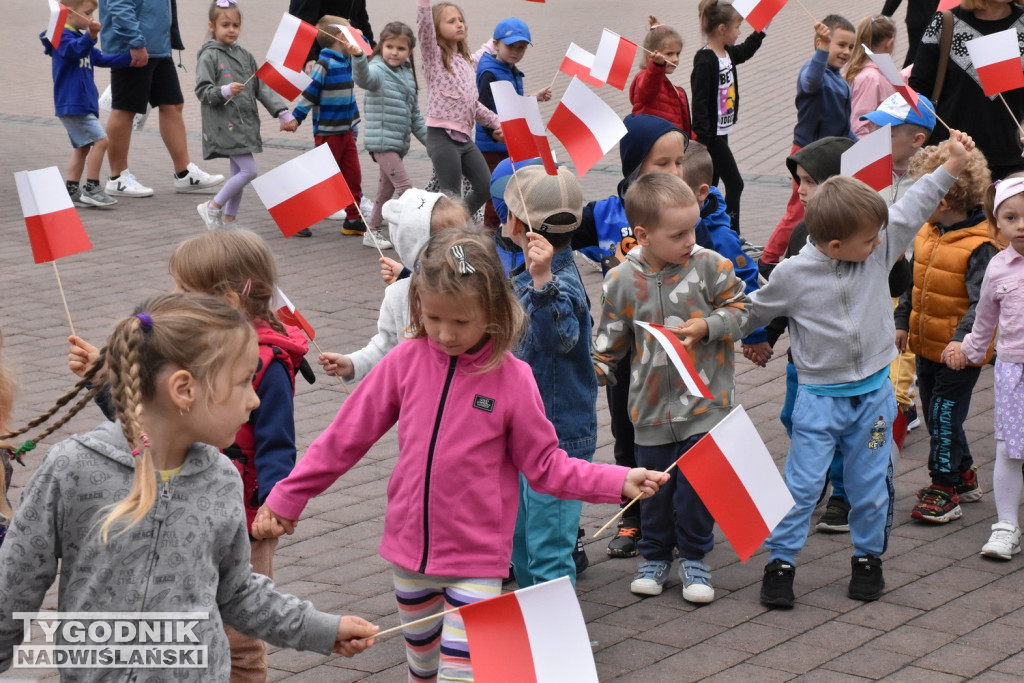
point(54, 228)
point(585, 125)
point(614, 60)
point(535, 634)
point(680, 358)
point(288, 314)
point(285, 82)
point(892, 74)
point(733, 473)
point(947, 4)
point(870, 160)
point(578, 62)
point(758, 13)
point(354, 37)
point(55, 28)
point(304, 191)
point(996, 58)
point(522, 125)
point(291, 44)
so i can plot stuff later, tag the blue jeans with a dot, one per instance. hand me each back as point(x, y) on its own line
point(862, 427)
point(835, 469)
point(674, 517)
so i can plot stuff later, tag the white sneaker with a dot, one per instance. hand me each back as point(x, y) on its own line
point(197, 179)
point(125, 185)
point(1004, 542)
point(338, 216)
point(214, 218)
point(366, 205)
point(382, 241)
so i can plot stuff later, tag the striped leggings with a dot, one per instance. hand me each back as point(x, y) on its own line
point(437, 650)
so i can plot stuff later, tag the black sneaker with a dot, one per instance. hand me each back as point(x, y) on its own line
point(305, 232)
point(579, 555)
point(511, 577)
point(910, 415)
point(777, 584)
point(353, 226)
point(836, 518)
point(624, 543)
point(866, 582)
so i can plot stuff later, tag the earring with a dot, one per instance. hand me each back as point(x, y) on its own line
point(185, 412)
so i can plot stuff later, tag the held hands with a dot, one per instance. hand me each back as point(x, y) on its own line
point(692, 331)
point(960, 146)
point(539, 253)
point(901, 340)
point(759, 353)
point(642, 482)
point(81, 355)
point(269, 524)
point(290, 126)
point(336, 365)
point(543, 95)
point(355, 634)
point(823, 35)
point(140, 56)
point(390, 269)
point(953, 357)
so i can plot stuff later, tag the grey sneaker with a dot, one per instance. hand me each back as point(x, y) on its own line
point(650, 577)
point(76, 198)
point(125, 185)
point(197, 179)
point(696, 578)
point(95, 196)
point(213, 218)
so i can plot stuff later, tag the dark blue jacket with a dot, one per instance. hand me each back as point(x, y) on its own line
point(74, 89)
point(491, 69)
point(822, 102)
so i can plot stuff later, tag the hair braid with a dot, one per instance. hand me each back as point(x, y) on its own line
point(90, 375)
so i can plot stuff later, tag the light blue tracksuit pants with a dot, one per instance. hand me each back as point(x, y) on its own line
point(545, 537)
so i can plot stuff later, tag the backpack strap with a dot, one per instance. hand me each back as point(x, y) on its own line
point(945, 43)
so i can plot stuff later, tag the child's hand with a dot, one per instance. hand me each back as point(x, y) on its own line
point(960, 145)
point(544, 95)
point(336, 365)
point(539, 253)
point(657, 58)
point(953, 357)
point(351, 49)
point(237, 88)
point(355, 634)
point(642, 482)
point(390, 269)
point(290, 126)
point(823, 35)
point(498, 134)
point(268, 524)
point(692, 331)
point(81, 355)
point(94, 28)
point(901, 340)
point(759, 353)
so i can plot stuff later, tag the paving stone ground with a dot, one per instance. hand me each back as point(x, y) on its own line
point(947, 614)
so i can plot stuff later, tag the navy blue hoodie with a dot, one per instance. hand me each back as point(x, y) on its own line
point(74, 89)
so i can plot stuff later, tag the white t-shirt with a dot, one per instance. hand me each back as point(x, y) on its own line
point(726, 96)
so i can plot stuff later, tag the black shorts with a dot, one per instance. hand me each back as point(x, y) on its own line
point(156, 84)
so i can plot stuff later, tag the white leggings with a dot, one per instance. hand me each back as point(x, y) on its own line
point(1007, 484)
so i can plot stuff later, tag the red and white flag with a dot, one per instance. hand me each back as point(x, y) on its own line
point(870, 160)
point(522, 125)
point(304, 191)
point(291, 43)
point(288, 314)
point(996, 58)
point(758, 13)
point(535, 634)
point(354, 37)
point(585, 125)
point(680, 358)
point(733, 473)
point(614, 60)
point(55, 27)
point(54, 228)
point(884, 62)
point(286, 82)
point(578, 62)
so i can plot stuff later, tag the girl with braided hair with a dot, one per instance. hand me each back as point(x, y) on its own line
point(143, 514)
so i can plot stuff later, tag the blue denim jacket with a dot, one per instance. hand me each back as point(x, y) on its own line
point(557, 348)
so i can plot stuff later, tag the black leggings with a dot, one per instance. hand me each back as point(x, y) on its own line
point(729, 173)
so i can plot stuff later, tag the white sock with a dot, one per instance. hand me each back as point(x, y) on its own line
point(1007, 484)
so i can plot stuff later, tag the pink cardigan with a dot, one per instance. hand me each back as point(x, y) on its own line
point(1002, 305)
point(463, 439)
point(452, 102)
point(870, 88)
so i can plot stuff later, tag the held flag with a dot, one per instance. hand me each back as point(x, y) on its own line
point(285, 82)
point(996, 58)
point(679, 357)
point(585, 125)
point(292, 42)
point(870, 159)
point(54, 228)
point(614, 59)
point(522, 125)
point(55, 26)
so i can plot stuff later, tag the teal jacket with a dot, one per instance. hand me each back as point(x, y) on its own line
point(391, 109)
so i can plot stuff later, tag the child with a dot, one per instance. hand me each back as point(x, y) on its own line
point(844, 398)
point(331, 98)
point(413, 217)
point(716, 93)
point(452, 106)
point(557, 348)
point(6, 449)
point(1001, 303)
point(78, 102)
point(951, 253)
point(651, 92)
point(392, 115)
point(822, 108)
point(228, 94)
point(179, 371)
point(868, 87)
point(511, 37)
point(670, 280)
point(452, 497)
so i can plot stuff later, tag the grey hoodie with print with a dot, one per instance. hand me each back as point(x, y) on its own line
point(190, 553)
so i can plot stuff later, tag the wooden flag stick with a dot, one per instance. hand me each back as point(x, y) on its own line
point(804, 7)
point(519, 189)
point(344, 385)
point(557, 71)
point(1012, 115)
point(937, 118)
point(628, 505)
point(368, 230)
point(63, 298)
point(244, 83)
point(395, 629)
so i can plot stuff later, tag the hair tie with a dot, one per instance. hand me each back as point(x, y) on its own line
point(146, 319)
point(145, 439)
point(654, 26)
point(226, 3)
point(461, 262)
point(136, 452)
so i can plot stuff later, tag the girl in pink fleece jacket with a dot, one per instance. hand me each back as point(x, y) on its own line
point(470, 419)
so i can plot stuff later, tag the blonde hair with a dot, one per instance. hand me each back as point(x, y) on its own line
point(841, 208)
point(436, 271)
point(969, 189)
point(651, 194)
point(874, 31)
point(223, 262)
point(327, 32)
point(448, 212)
point(975, 5)
point(461, 47)
point(658, 36)
point(713, 14)
point(6, 407)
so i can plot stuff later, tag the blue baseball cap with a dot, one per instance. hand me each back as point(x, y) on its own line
point(499, 181)
point(896, 111)
point(512, 30)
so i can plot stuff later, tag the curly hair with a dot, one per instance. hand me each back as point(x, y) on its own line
point(969, 189)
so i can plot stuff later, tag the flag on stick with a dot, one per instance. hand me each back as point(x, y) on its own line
point(304, 191)
point(54, 228)
point(996, 58)
point(758, 13)
point(288, 314)
point(947, 4)
point(578, 62)
point(614, 59)
point(354, 37)
point(291, 43)
point(522, 125)
point(736, 479)
point(892, 74)
point(285, 82)
point(534, 634)
point(55, 27)
point(680, 358)
point(585, 125)
point(870, 160)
